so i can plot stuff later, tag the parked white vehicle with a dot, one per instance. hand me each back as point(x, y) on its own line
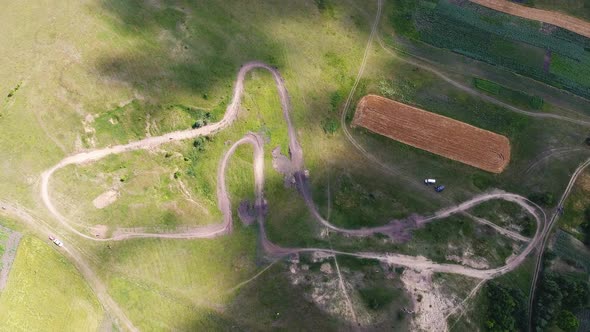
point(56, 241)
point(429, 181)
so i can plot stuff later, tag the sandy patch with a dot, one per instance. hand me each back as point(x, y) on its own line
point(105, 199)
point(429, 302)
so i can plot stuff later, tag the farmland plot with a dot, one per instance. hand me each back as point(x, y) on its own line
point(434, 133)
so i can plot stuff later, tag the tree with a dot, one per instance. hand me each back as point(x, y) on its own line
point(505, 308)
point(567, 321)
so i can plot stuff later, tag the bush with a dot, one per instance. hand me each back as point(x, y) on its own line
point(376, 297)
point(198, 124)
point(585, 226)
point(546, 199)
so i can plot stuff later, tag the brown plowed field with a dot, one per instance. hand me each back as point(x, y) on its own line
point(567, 22)
point(434, 133)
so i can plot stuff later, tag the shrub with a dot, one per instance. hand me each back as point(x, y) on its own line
point(330, 126)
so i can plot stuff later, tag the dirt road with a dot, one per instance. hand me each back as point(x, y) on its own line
point(561, 20)
point(544, 237)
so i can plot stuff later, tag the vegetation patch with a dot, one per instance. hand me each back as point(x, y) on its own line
point(514, 97)
point(376, 298)
point(506, 308)
point(572, 250)
point(500, 39)
point(507, 215)
point(138, 119)
point(558, 297)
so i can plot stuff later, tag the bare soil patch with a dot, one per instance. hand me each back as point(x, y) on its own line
point(100, 231)
point(105, 199)
point(434, 133)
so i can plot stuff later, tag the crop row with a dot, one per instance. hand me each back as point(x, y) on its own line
point(514, 43)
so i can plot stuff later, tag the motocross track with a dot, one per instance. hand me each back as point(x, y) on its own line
point(567, 22)
point(296, 160)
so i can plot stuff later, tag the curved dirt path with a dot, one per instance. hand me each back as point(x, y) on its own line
point(561, 20)
point(151, 142)
point(551, 153)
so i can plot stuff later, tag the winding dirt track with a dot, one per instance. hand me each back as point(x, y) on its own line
point(151, 142)
point(302, 184)
point(567, 22)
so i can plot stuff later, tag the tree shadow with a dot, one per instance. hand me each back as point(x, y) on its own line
point(186, 45)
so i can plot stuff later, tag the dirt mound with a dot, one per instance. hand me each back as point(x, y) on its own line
point(434, 133)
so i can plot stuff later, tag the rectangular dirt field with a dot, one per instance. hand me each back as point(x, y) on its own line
point(434, 133)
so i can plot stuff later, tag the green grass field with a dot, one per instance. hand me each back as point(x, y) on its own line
point(46, 293)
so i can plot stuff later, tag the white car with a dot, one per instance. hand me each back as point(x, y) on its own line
point(56, 241)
